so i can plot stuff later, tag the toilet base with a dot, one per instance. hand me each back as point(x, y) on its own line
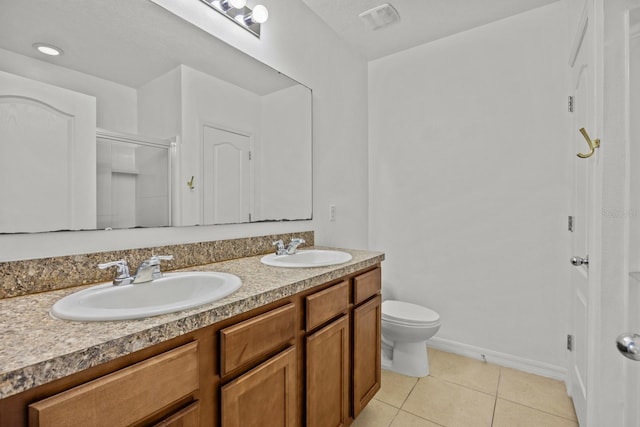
point(407, 358)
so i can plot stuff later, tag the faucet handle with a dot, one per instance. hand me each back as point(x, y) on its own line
point(292, 247)
point(154, 264)
point(122, 270)
point(121, 265)
point(279, 244)
point(155, 259)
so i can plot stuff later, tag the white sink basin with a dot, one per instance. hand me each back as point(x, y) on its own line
point(307, 258)
point(173, 292)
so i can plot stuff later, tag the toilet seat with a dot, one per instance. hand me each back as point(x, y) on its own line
point(405, 313)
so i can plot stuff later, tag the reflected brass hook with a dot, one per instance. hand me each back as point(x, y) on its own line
point(592, 145)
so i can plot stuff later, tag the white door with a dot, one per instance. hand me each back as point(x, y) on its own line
point(47, 157)
point(226, 171)
point(583, 214)
point(612, 181)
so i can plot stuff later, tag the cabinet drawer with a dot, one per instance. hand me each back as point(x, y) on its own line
point(123, 397)
point(366, 285)
point(327, 304)
point(252, 339)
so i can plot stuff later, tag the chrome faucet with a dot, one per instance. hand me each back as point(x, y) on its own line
point(147, 271)
point(292, 247)
point(150, 269)
point(122, 272)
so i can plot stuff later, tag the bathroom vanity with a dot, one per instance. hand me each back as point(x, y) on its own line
point(291, 347)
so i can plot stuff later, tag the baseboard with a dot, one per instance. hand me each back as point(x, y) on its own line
point(497, 358)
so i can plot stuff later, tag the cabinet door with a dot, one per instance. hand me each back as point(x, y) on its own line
point(187, 417)
point(366, 352)
point(328, 375)
point(264, 396)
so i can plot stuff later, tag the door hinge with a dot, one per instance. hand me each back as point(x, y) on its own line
point(249, 217)
point(570, 104)
point(250, 155)
point(570, 223)
point(569, 342)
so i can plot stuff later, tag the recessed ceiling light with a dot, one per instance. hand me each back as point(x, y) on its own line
point(48, 49)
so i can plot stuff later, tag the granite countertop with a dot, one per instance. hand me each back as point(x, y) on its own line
point(37, 348)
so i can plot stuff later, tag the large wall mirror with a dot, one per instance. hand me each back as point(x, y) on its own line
point(144, 120)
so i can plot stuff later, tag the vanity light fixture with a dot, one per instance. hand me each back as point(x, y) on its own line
point(48, 49)
point(238, 12)
point(259, 15)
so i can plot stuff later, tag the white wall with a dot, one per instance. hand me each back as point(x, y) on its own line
point(297, 43)
point(283, 181)
point(468, 160)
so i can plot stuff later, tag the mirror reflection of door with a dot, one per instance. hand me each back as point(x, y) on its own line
point(227, 176)
point(47, 176)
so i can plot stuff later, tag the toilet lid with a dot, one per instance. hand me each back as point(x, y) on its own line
point(405, 312)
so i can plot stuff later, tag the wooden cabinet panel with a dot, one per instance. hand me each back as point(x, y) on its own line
point(125, 396)
point(187, 417)
point(366, 352)
point(264, 396)
point(327, 304)
point(252, 339)
point(366, 285)
point(328, 375)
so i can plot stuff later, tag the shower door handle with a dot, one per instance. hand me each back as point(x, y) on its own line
point(629, 345)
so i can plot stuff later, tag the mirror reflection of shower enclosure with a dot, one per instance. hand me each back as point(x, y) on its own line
point(133, 181)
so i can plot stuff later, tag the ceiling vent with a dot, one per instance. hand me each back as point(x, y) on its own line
point(380, 16)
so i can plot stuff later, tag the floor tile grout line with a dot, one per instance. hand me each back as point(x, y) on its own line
point(421, 417)
point(464, 386)
point(495, 401)
point(409, 394)
point(538, 409)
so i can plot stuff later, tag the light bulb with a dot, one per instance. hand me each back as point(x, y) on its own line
point(260, 14)
point(238, 4)
point(48, 49)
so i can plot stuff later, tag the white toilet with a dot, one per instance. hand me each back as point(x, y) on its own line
point(405, 329)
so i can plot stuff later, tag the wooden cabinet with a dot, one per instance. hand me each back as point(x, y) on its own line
point(264, 396)
point(310, 359)
point(124, 397)
point(328, 375)
point(367, 331)
point(343, 358)
point(255, 338)
point(187, 417)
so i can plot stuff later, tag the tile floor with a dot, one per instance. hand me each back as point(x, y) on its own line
point(463, 392)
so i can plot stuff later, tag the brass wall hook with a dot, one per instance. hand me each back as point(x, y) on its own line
point(190, 184)
point(592, 145)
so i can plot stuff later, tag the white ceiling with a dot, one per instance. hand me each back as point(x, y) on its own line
point(421, 21)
